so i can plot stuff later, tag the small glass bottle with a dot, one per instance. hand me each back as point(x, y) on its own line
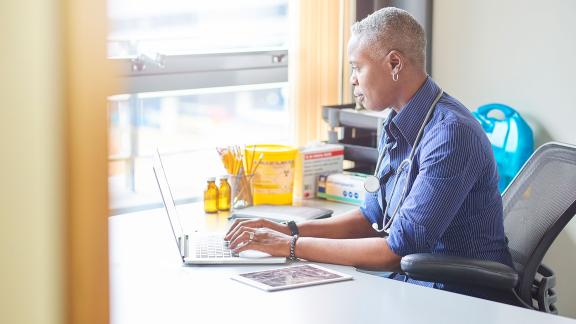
point(224, 194)
point(211, 196)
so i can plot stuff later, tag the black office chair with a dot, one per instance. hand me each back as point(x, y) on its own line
point(538, 204)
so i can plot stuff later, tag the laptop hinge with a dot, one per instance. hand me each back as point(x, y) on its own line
point(184, 247)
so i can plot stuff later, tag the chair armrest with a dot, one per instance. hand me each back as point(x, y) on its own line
point(459, 270)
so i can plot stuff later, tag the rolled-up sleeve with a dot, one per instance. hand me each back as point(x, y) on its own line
point(371, 209)
point(450, 160)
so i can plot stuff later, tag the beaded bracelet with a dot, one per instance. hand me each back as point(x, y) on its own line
point(293, 248)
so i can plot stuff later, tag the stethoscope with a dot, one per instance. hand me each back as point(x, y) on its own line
point(372, 183)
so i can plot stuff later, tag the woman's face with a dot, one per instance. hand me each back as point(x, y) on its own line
point(371, 77)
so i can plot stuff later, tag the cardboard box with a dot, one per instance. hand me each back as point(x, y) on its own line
point(313, 161)
point(343, 187)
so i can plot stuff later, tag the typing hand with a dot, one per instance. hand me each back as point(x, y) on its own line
point(241, 225)
point(260, 239)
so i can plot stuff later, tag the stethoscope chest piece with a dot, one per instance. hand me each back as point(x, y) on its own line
point(372, 184)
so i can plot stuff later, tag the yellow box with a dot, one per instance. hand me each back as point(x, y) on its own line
point(273, 179)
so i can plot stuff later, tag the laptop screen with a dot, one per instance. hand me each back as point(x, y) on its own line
point(168, 200)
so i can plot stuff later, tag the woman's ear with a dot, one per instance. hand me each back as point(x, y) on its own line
point(395, 61)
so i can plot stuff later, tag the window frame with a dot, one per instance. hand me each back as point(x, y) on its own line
point(157, 72)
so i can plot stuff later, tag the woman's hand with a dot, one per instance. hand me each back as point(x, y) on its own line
point(261, 239)
point(259, 234)
point(240, 225)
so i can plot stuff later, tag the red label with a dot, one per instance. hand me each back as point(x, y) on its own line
point(321, 155)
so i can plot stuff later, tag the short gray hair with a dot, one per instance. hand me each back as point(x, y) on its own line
point(392, 29)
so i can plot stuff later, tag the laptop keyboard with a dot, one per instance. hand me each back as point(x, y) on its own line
point(212, 246)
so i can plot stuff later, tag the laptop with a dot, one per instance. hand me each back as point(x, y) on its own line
point(200, 247)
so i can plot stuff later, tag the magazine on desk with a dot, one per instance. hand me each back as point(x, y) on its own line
point(291, 277)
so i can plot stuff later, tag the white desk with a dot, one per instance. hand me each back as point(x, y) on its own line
point(150, 285)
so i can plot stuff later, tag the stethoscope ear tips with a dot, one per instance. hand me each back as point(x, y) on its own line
point(378, 229)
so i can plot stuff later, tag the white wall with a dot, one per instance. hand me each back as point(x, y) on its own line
point(31, 262)
point(521, 53)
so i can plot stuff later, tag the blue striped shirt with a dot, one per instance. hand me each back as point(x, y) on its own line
point(452, 203)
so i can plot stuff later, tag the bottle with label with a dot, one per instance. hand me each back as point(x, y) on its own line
point(224, 194)
point(211, 196)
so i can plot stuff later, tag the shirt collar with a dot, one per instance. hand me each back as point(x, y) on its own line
point(411, 116)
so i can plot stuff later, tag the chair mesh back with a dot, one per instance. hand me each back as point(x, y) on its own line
point(536, 199)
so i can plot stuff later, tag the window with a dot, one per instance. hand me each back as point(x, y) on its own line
point(195, 26)
point(197, 75)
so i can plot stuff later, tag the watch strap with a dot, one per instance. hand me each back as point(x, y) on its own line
point(293, 228)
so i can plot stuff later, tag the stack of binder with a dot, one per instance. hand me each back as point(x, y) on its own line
point(358, 131)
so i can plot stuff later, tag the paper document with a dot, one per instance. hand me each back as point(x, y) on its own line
point(282, 213)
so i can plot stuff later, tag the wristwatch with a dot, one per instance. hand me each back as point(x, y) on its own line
point(293, 228)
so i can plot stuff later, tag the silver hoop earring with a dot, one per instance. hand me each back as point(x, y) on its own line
point(394, 76)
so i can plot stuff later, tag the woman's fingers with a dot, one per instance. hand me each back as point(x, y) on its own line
point(233, 227)
point(246, 245)
point(236, 233)
point(246, 223)
point(236, 227)
point(258, 234)
point(247, 236)
point(261, 239)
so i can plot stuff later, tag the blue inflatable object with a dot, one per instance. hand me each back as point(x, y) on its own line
point(511, 137)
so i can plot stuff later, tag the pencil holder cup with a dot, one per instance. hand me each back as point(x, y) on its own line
point(242, 190)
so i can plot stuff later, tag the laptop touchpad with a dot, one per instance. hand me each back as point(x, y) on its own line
point(253, 254)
